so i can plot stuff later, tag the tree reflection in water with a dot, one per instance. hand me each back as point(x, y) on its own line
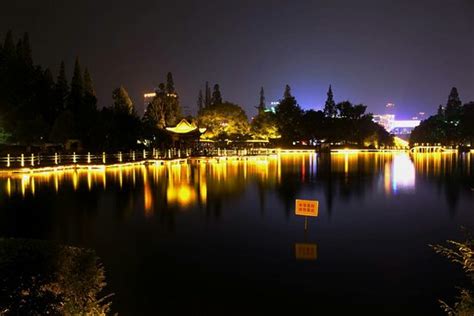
point(39, 278)
point(163, 191)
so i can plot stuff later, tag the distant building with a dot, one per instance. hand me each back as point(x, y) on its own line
point(386, 120)
point(396, 127)
point(404, 127)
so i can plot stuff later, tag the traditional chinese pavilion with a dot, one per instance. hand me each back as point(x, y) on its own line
point(185, 133)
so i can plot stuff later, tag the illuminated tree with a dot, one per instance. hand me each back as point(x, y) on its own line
point(225, 121)
point(264, 126)
point(330, 109)
point(155, 113)
point(41, 278)
point(461, 253)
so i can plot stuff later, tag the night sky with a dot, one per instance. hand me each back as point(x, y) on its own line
point(373, 52)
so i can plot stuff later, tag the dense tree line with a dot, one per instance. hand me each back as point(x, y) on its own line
point(288, 124)
point(342, 123)
point(452, 125)
point(38, 108)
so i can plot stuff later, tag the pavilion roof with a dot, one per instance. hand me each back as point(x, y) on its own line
point(184, 127)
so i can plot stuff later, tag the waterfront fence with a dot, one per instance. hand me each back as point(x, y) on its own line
point(33, 160)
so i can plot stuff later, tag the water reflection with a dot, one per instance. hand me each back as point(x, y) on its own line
point(210, 185)
point(402, 174)
point(306, 251)
point(162, 228)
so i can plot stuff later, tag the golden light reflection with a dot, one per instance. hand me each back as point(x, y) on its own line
point(147, 195)
point(346, 163)
point(56, 182)
point(182, 194)
point(25, 180)
point(89, 180)
point(33, 185)
point(387, 178)
point(75, 180)
point(185, 183)
point(9, 187)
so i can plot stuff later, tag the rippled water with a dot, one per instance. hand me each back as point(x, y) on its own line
point(222, 237)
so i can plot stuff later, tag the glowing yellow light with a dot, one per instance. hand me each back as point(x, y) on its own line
point(149, 95)
point(89, 180)
point(9, 187)
point(400, 142)
point(33, 185)
point(75, 180)
point(387, 178)
point(346, 163)
point(25, 179)
point(56, 182)
point(182, 194)
point(203, 192)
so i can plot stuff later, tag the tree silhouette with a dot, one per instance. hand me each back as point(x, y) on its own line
point(216, 95)
point(330, 109)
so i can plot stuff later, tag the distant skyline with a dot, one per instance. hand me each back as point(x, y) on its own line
point(406, 52)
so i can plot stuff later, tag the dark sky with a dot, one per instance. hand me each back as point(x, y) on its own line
point(407, 52)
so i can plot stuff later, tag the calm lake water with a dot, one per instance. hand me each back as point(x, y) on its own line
point(222, 237)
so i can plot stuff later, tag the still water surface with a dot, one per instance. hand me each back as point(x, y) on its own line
point(222, 237)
